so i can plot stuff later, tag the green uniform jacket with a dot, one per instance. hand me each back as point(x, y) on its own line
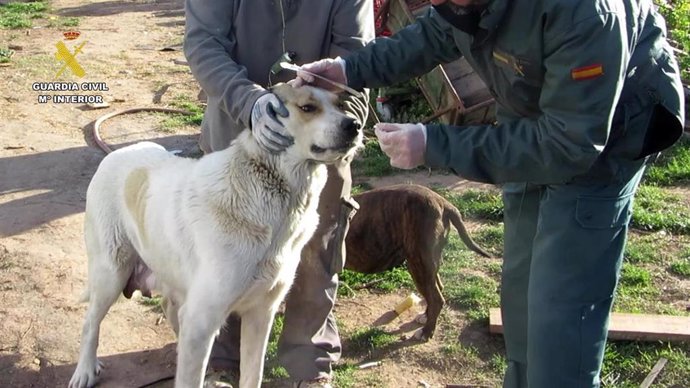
point(580, 87)
point(231, 45)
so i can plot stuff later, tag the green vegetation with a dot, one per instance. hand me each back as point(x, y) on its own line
point(153, 302)
point(672, 167)
point(395, 279)
point(658, 209)
point(345, 376)
point(681, 268)
point(273, 370)
point(470, 281)
point(677, 15)
point(645, 249)
point(490, 237)
point(21, 15)
point(498, 364)
point(635, 290)
point(5, 55)
point(359, 188)
point(476, 203)
point(371, 161)
point(634, 278)
point(63, 22)
point(174, 121)
point(626, 364)
point(474, 293)
point(407, 100)
point(366, 340)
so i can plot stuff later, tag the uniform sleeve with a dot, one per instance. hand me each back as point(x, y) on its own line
point(583, 75)
point(411, 52)
point(207, 46)
point(353, 27)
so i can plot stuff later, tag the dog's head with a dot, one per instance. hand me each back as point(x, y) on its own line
point(321, 129)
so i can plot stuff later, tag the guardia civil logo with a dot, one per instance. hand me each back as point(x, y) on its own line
point(68, 57)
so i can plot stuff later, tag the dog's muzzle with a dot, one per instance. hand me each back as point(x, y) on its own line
point(346, 138)
point(350, 127)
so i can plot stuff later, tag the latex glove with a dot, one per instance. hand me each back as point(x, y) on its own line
point(405, 144)
point(266, 127)
point(331, 68)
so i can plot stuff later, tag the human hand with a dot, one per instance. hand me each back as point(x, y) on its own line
point(267, 129)
point(331, 68)
point(405, 144)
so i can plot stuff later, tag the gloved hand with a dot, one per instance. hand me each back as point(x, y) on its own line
point(267, 129)
point(405, 144)
point(331, 68)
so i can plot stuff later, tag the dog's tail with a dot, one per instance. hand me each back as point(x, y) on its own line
point(455, 218)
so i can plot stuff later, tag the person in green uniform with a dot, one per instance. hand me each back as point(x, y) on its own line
point(588, 93)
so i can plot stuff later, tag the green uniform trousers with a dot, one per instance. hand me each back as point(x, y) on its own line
point(563, 252)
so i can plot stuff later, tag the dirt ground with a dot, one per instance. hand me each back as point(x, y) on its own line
point(47, 158)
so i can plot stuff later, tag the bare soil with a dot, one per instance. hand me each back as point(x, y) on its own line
point(47, 157)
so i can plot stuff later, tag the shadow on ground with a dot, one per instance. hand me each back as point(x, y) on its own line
point(126, 370)
point(38, 188)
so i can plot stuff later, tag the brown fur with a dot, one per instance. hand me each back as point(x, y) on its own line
point(406, 222)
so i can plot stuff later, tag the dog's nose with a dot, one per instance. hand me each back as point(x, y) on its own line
point(351, 126)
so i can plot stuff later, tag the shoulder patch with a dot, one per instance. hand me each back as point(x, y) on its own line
point(587, 72)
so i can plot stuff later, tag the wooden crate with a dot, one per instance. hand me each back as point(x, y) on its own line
point(454, 91)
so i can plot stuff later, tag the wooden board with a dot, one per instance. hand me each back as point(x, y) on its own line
point(632, 327)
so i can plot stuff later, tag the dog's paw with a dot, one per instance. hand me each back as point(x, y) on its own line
point(421, 319)
point(86, 376)
point(419, 335)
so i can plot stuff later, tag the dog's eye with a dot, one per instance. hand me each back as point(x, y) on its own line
point(308, 108)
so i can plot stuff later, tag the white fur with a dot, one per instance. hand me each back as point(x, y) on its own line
point(221, 234)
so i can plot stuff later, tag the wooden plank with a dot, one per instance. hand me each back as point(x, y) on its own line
point(654, 373)
point(631, 327)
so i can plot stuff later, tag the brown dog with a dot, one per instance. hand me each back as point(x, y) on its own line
point(402, 222)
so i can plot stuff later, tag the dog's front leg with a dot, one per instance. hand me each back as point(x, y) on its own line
point(199, 323)
point(256, 327)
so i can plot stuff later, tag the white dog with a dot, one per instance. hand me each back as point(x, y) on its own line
point(221, 234)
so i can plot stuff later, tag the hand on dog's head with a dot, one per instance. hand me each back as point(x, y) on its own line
point(317, 121)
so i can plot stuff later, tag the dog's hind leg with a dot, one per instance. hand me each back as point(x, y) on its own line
point(256, 327)
point(107, 278)
point(425, 276)
point(170, 309)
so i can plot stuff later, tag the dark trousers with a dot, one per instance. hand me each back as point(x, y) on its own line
point(563, 250)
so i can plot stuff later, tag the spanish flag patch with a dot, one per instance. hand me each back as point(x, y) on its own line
point(587, 72)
